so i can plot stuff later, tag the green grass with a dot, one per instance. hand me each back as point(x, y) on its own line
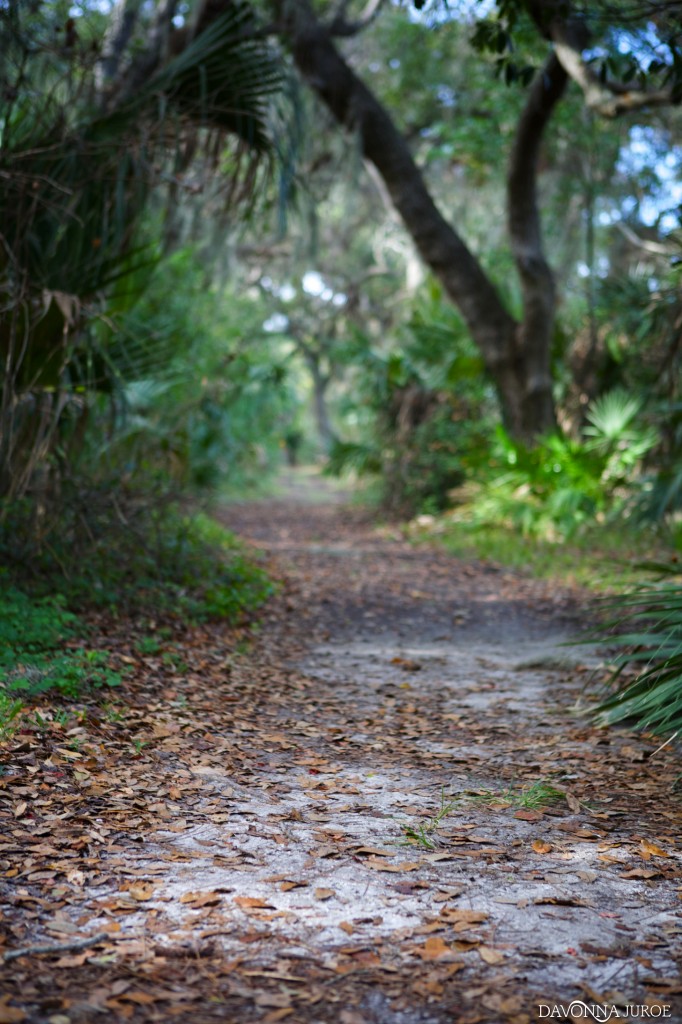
point(531, 798)
point(35, 659)
point(601, 559)
point(423, 833)
point(182, 569)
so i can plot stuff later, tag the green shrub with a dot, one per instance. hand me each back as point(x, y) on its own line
point(555, 488)
point(129, 552)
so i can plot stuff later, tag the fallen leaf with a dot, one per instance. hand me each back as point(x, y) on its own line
point(464, 917)
point(10, 1014)
point(433, 949)
point(323, 894)
point(141, 893)
point(651, 850)
point(378, 865)
point(372, 851)
point(275, 1015)
point(201, 899)
point(540, 846)
point(253, 902)
point(73, 961)
point(280, 1000)
point(490, 955)
point(641, 873)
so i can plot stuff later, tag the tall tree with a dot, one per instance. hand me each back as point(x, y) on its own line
point(517, 353)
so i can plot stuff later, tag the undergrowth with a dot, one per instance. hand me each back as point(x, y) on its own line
point(136, 558)
point(177, 568)
point(39, 656)
point(533, 797)
point(599, 559)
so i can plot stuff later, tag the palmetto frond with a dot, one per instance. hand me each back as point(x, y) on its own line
point(78, 179)
point(652, 646)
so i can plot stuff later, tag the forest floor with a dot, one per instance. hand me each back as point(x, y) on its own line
point(382, 807)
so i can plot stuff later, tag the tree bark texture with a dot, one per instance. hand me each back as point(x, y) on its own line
point(525, 231)
point(513, 353)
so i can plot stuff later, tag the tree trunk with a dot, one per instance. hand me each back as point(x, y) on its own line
point(520, 377)
point(525, 231)
point(320, 384)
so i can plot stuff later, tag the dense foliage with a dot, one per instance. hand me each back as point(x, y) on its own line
point(200, 274)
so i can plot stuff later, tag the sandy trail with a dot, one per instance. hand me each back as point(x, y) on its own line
point(387, 812)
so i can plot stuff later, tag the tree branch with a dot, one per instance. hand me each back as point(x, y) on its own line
point(648, 245)
point(569, 34)
point(339, 27)
point(149, 61)
point(610, 99)
point(56, 947)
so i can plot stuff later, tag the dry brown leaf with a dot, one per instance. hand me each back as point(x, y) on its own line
point(651, 850)
point(140, 998)
point(278, 999)
point(490, 955)
point(206, 899)
point(141, 893)
point(540, 846)
point(352, 1017)
point(467, 917)
point(347, 927)
point(10, 1014)
point(641, 873)
point(433, 949)
point(275, 1015)
point(378, 865)
point(370, 851)
point(573, 802)
point(323, 894)
point(253, 902)
point(525, 815)
point(76, 960)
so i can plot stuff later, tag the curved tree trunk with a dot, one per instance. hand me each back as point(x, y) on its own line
point(525, 231)
point(516, 356)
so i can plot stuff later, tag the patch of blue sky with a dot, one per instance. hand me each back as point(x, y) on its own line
point(649, 150)
point(437, 11)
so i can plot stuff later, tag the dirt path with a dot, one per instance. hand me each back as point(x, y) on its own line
point(387, 812)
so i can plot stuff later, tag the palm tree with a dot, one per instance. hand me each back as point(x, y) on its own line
point(90, 133)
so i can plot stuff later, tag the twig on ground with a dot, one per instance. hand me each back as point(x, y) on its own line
point(56, 947)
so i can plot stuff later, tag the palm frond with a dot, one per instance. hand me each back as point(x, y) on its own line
point(651, 645)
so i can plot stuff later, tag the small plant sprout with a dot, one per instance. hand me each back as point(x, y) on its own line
point(113, 713)
point(148, 645)
point(10, 709)
point(424, 833)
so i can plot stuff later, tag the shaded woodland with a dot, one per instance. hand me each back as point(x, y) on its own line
point(340, 388)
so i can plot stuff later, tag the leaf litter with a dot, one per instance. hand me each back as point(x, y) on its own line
point(340, 816)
